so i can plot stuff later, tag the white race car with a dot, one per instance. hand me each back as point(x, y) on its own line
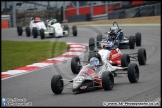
point(52, 29)
point(35, 25)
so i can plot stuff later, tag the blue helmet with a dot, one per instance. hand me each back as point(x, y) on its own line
point(94, 61)
point(109, 45)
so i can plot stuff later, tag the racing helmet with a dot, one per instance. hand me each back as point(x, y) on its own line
point(94, 61)
point(109, 45)
point(113, 30)
point(53, 21)
point(37, 19)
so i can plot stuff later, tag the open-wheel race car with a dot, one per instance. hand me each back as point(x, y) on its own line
point(115, 56)
point(40, 28)
point(97, 72)
point(117, 36)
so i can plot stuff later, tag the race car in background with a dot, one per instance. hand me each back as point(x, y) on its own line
point(54, 29)
point(39, 28)
point(115, 56)
point(117, 36)
point(33, 29)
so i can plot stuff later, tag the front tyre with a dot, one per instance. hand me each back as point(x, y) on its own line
point(142, 56)
point(107, 81)
point(125, 60)
point(75, 65)
point(138, 39)
point(133, 73)
point(131, 42)
point(57, 84)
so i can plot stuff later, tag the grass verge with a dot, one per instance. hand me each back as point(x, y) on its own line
point(16, 54)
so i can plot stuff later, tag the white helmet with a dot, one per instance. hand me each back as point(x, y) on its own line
point(114, 29)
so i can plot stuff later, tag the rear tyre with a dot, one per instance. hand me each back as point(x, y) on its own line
point(99, 38)
point(75, 65)
point(74, 30)
point(28, 31)
point(107, 81)
point(91, 44)
point(125, 60)
point(35, 32)
point(131, 42)
point(57, 84)
point(133, 73)
point(142, 56)
point(42, 33)
point(138, 39)
point(19, 30)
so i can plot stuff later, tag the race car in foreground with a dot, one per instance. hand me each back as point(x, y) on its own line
point(39, 28)
point(115, 56)
point(117, 35)
point(87, 78)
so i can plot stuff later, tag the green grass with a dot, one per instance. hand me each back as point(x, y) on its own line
point(16, 54)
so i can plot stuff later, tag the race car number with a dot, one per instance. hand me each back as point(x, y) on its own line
point(79, 79)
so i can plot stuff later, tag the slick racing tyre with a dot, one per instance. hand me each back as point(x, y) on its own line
point(75, 65)
point(74, 30)
point(91, 44)
point(99, 38)
point(125, 60)
point(142, 56)
point(138, 39)
point(28, 31)
point(133, 73)
point(57, 84)
point(19, 30)
point(35, 32)
point(107, 81)
point(131, 42)
point(42, 33)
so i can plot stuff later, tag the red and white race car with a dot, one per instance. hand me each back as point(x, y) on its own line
point(115, 56)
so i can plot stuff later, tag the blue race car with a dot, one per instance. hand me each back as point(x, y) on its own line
point(117, 36)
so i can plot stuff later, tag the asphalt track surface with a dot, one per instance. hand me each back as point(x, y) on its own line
point(35, 86)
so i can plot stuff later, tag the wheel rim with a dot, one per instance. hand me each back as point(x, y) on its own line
point(78, 68)
point(135, 74)
point(110, 83)
point(59, 84)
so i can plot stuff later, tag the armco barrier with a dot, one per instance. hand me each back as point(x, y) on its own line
point(132, 12)
point(147, 10)
point(79, 18)
point(157, 9)
point(118, 14)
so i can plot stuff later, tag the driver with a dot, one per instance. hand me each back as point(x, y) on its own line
point(37, 19)
point(53, 21)
point(94, 62)
point(113, 33)
point(109, 45)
